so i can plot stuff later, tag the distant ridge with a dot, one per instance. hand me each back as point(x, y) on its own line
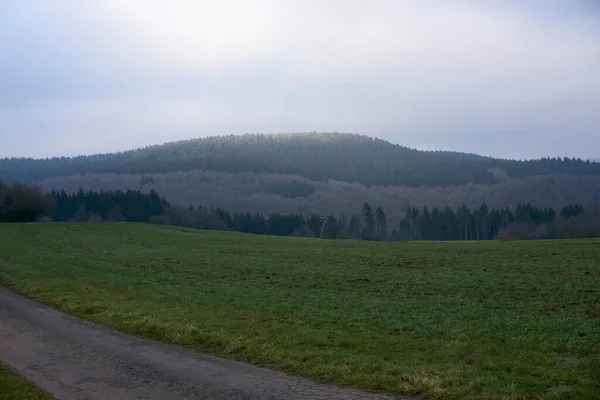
point(316, 156)
point(461, 156)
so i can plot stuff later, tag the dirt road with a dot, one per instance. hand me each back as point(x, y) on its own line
point(74, 359)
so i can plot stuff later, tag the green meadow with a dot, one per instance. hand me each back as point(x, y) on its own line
point(460, 320)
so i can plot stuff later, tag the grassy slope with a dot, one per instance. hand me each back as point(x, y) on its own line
point(13, 387)
point(451, 320)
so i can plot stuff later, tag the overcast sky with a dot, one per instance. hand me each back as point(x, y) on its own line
point(509, 78)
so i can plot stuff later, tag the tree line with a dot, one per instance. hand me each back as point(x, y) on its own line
point(315, 156)
point(21, 203)
point(116, 206)
point(481, 223)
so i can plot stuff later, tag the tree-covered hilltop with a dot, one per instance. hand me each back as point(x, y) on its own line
point(316, 156)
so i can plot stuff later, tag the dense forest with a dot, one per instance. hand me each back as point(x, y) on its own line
point(288, 194)
point(524, 222)
point(315, 156)
point(481, 223)
point(116, 206)
point(21, 203)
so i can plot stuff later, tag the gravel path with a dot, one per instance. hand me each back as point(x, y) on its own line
point(75, 359)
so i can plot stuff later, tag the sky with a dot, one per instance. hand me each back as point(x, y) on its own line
point(505, 78)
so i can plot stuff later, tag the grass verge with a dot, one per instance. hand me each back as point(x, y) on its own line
point(14, 387)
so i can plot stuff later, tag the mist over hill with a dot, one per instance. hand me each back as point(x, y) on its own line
point(347, 158)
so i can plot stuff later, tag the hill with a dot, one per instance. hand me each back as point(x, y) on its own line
point(447, 320)
point(315, 156)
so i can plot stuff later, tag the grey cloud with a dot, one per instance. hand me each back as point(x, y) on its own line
point(504, 78)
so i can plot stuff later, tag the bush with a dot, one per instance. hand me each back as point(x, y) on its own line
point(23, 203)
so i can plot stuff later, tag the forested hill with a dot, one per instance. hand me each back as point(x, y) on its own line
point(316, 156)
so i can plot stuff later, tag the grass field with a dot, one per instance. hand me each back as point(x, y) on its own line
point(448, 320)
point(13, 387)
